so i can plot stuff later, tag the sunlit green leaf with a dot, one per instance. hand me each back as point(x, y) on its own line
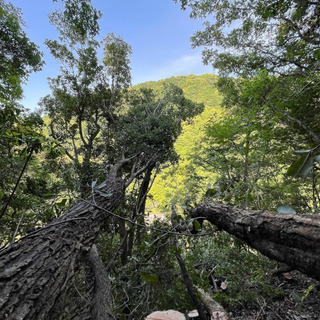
point(197, 225)
point(62, 203)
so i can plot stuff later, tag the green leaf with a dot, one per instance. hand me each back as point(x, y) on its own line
point(49, 196)
point(286, 209)
point(197, 225)
point(302, 151)
point(295, 296)
point(211, 192)
point(93, 184)
point(178, 218)
point(301, 167)
point(306, 292)
point(250, 197)
point(103, 194)
point(149, 278)
point(62, 203)
point(317, 158)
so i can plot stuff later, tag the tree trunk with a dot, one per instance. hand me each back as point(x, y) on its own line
point(102, 306)
point(35, 270)
point(289, 238)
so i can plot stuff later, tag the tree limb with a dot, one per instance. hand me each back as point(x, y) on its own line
point(300, 123)
point(102, 306)
point(289, 238)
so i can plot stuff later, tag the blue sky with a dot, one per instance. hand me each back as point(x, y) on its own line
point(157, 30)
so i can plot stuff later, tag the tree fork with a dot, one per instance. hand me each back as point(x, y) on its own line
point(289, 238)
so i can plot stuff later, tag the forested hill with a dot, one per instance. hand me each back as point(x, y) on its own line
point(197, 88)
point(230, 155)
point(185, 182)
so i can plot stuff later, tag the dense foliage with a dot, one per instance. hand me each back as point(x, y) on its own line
point(20, 133)
point(244, 36)
point(18, 57)
point(273, 46)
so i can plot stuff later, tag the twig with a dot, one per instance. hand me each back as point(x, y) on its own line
point(18, 226)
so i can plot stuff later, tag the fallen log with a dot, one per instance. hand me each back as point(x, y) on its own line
point(289, 238)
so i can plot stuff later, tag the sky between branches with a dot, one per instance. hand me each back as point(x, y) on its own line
point(157, 30)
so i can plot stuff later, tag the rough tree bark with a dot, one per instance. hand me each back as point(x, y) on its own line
point(102, 305)
point(289, 238)
point(35, 270)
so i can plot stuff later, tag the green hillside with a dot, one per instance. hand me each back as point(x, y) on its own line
point(184, 183)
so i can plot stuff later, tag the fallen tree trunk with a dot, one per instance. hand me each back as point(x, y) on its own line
point(35, 270)
point(289, 238)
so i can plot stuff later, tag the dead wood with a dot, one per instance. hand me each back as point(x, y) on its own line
point(289, 238)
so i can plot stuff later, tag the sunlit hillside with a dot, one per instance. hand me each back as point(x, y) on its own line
point(184, 182)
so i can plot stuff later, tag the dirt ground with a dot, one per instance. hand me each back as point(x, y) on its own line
point(291, 305)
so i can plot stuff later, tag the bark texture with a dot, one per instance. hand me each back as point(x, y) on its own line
point(102, 306)
point(289, 238)
point(35, 270)
point(216, 310)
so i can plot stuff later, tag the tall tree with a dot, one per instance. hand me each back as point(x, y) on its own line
point(72, 233)
point(279, 37)
point(139, 138)
point(247, 36)
point(274, 47)
point(85, 96)
point(20, 133)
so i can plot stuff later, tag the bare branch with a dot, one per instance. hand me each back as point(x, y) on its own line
point(135, 174)
point(300, 123)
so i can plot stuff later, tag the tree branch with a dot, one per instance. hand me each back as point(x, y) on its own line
point(289, 238)
point(102, 306)
point(137, 173)
point(300, 123)
point(17, 183)
point(202, 310)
